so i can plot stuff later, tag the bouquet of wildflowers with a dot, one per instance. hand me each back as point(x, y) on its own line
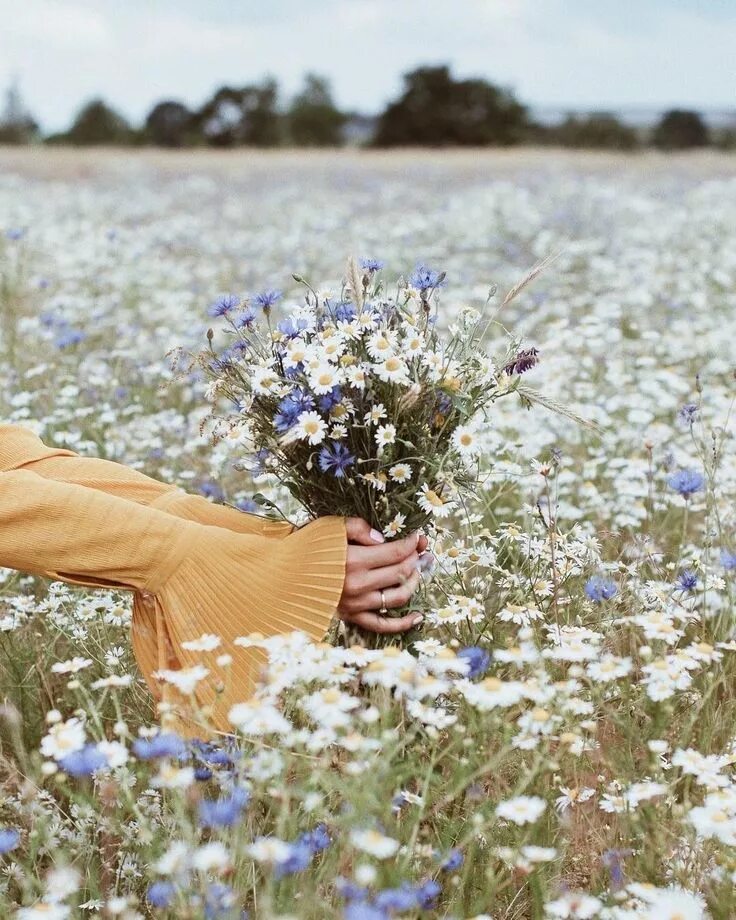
point(358, 402)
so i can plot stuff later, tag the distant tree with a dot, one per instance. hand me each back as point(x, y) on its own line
point(248, 115)
point(97, 123)
point(313, 119)
point(17, 126)
point(435, 110)
point(169, 124)
point(600, 130)
point(680, 129)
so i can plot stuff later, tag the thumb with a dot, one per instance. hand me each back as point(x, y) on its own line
point(360, 531)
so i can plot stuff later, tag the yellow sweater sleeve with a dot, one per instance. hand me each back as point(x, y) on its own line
point(20, 448)
point(189, 578)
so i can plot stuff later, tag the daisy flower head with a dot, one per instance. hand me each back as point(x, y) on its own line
point(375, 414)
point(395, 526)
point(310, 426)
point(433, 503)
point(382, 344)
point(385, 435)
point(400, 472)
point(393, 370)
point(524, 809)
point(465, 441)
point(324, 377)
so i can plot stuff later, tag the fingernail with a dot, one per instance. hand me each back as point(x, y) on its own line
point(377, 536)
point(417, 620)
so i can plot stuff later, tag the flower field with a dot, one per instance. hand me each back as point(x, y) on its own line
point(560, 739)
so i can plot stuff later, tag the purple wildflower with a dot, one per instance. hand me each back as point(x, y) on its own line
point(686, 482)
point(337, 458)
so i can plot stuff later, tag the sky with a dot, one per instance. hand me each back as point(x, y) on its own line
point(582, 54)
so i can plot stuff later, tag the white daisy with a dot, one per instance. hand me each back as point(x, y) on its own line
point(400, 472)
point(524, 809)
point(324, 377)
point(382, 344)
point(465, 441)
point(385, 435)
point(395, 526)
point(392, 370)
point(433, 503)
point(375, 843)
point(310, 426)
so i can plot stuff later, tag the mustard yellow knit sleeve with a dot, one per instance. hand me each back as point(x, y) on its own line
point(189, 579)
point(20, 448)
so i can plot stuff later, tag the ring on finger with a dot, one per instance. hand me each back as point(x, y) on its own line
point(383, 608)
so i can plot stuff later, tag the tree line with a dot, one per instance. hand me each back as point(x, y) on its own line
point(433, 109)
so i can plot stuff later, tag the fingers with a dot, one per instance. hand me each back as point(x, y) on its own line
point(360, 531)
point(387, 576)
point(389, 553)
point(395, 596)
point(387, 625)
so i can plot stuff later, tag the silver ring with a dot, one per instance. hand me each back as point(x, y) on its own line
point(383, 608)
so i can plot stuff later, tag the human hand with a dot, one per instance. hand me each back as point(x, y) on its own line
point(374, 567)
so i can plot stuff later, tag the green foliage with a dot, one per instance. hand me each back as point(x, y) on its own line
point(246, 115)
point(313, 118)
point(170, 124)
point(437, 110)
point(680, 129)
point(17, 125)
point(98, 124)
point(599, 131)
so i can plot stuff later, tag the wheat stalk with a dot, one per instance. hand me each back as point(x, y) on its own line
point(529, 277)
point(355, 281)
point(534, 396)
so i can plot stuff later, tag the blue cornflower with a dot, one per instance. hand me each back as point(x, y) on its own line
point(728, 560)
point(686, 482)
point(362, 910)
point(452, 861)
point(426, 279)
point(687, 580)
point(345, 312)
point(160, 894)
point(212, 490)
point(328, 401)
point(398, 899)
point(218, 900)
point(317, 839)
point(290, 408)
point(293, 326)
point(427, 893)
point(349, 890)
point(266, 299)
point(83, 762)
point(371, 265)
point(223, 305)
point(600, 589)
point(9, 839)
point(444, 403)
point(335, 457)
point(687, 413)
point(246, 318)
point(165, 744)
point(68, 337)
point(299, 858)
point(478, 659)
point(247, 505)
point(223, 812)
point(15, 233)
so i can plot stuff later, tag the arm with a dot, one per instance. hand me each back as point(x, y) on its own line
point(20, 448)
